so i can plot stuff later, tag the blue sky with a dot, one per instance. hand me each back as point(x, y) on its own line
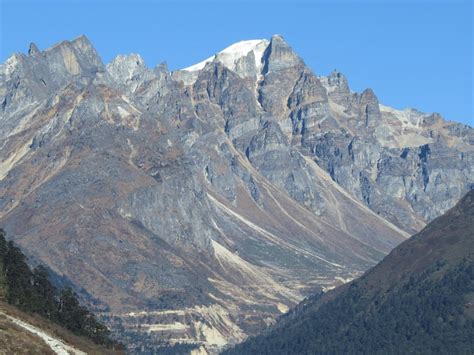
point(412, 53)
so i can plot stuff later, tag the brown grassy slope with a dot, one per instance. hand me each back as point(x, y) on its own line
point(16, 340)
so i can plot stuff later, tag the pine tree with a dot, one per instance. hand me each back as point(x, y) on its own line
point(45, 294)
point(70, 313)
point(3, 253)
point(3, 245)
point(18, 277)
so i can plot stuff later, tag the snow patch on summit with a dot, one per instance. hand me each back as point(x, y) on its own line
point(229, 56)
point(10, 65)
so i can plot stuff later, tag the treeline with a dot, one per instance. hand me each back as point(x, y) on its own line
point(31, 291)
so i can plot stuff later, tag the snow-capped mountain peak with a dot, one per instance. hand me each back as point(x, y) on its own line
point(230, 55)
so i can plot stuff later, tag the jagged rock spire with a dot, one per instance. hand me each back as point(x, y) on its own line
point(33, 50)
point(279, 55)
point(369, 108)
point(338, 80)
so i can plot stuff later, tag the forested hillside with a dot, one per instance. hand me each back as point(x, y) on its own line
point(419, 299)
point(31, 291)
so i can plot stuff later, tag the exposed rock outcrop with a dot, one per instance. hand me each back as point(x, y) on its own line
point(204, 202)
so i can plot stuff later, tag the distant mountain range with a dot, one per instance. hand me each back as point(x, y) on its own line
point(418, 300)
point(191, 208)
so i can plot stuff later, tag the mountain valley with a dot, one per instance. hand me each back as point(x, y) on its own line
point(191, 208)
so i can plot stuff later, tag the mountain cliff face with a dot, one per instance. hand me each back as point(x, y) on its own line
point(419, 299)
point(194, 206)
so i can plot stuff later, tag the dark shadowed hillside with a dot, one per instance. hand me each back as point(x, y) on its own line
point(419, 299)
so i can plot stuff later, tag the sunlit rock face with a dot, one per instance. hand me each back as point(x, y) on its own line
point(195, 206)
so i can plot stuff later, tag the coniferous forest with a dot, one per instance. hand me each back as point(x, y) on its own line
point(418, 300)
point(32, 291)
point(425, 316)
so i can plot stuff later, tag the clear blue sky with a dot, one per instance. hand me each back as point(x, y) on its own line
point(412, 53)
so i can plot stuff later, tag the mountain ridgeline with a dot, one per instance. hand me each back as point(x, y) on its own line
point(419, 299)
point(32, 291)
point(194, 207)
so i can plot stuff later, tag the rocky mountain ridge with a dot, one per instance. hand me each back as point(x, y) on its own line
point(194, 206)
